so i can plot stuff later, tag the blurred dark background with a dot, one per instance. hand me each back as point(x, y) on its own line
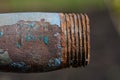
point(105, 28)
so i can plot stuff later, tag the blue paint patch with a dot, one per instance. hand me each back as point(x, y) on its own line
point(54, 62)
point(46, 40)
point(57, 62)
point(56, 20)
point(1, 34)
point(20, 66)
point(12, 18)
point(59, 46)
point(51, 63)
point(31, 25)
point(30, 37)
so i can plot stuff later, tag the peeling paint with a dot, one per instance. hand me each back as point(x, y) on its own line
point(35, 45)
point(40, 42)
point(57, 62)
point(20, 66)
point(46, 40)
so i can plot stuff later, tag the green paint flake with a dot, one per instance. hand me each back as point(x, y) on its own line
point(18, 45)
point(46, 40)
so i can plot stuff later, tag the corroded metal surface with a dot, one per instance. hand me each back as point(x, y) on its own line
point(76, 30)
point(42, 42)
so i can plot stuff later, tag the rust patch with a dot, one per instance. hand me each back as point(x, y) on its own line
point(84, 39)
point(31, 44)
point(80, 41)
point(88, 38)
point(76, 34)
point(63, 39)
point(73, 38)
point(76, 40)
point(69, 38)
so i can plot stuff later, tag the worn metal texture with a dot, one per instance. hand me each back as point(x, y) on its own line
point(76, 33)
point(42, 42)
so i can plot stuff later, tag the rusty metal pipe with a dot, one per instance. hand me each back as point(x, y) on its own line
point(42, 42)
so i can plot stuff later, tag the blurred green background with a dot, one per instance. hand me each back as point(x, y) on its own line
point(105, 40)
point(50, 5)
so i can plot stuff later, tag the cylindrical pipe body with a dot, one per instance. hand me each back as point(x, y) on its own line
point(42, 42)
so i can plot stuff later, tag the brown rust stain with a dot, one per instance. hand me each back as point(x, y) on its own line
point(69, 37)
point(32, 50)
point(63, 39)
point(73, 38)
point(76, 38)
point(80, 41)
point(88, 38)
